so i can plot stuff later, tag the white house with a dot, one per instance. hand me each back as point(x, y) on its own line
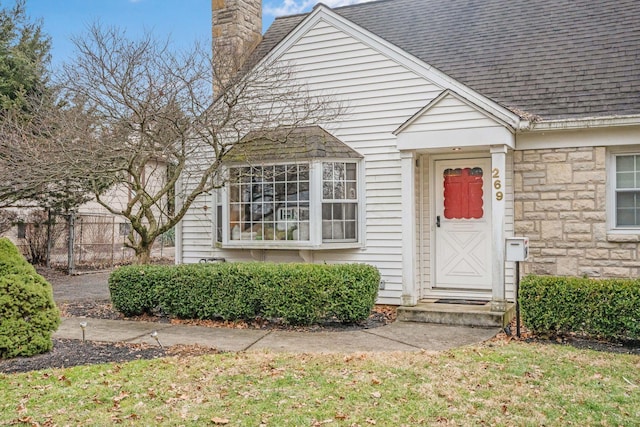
point(468, 122)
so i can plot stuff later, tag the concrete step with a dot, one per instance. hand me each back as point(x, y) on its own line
point(429, 311)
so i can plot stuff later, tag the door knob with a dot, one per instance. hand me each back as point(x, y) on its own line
point(438, 221)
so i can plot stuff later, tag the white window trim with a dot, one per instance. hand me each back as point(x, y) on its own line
point(315, 212)
point(615, 232)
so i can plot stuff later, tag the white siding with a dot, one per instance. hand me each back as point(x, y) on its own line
point(450, 113)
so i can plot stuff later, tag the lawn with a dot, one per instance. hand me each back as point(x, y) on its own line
point(492, 384)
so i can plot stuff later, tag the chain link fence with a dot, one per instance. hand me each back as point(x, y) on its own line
point(82, 242)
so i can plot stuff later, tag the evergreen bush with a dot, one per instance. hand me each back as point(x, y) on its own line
point(597, 308)
point(28, 314)
point(299, 294)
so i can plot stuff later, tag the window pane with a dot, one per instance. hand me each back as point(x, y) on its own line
point(219, 223)
point(303, 190)
point(327, 190)
point(350, 210)
point(350, 230)
point(326, 211)
point(625, 163)
point(352, 192)
point(351, 171)
point(303, 170)
point(628, 209)
point(338, 190)
point(625, 180)
point(628, 171)
point(279, 172)
point(463, 193)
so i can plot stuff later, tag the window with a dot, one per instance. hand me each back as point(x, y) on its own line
point(125, 228)
point(463, 193)
point(22, 230)
point(627, 191)
point(339, 201)
point(273, 205)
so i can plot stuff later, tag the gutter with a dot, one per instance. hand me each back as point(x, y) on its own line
point(575, 124)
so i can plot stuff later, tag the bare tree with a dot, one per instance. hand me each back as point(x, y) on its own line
point(139, 118)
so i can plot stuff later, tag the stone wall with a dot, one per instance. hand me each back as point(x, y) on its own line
point(560, 204)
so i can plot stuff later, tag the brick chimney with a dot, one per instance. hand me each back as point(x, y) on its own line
point(236, 26)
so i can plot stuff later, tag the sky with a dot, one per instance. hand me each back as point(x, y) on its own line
point(185, 21)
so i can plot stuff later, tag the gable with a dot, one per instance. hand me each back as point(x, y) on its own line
point(448, 111)
point(334, 54)
point(451, 121)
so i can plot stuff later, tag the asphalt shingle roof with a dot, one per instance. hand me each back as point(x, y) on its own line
point(289, 144)
point(555, 59)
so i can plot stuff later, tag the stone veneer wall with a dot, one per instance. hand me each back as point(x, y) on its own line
point(560, 204)
point(237, 23)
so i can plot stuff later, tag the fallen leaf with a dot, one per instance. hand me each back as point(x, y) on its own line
point(376, 394)
point(219, 421)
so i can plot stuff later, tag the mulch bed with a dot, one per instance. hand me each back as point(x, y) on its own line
point(573, 340)
point(67, 353)
point(380, 316)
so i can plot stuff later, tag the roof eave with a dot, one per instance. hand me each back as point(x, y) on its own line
point(579, 123)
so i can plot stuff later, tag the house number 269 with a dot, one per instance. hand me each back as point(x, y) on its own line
point(497, 184)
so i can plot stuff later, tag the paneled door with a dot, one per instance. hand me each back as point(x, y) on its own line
point(463, 224)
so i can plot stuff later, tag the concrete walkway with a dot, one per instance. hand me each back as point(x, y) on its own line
point(398, 336)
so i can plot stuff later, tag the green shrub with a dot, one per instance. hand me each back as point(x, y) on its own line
point(211, 291)
point(296, 293)
point(353, 292)
point(607, 309)
point(11, 260)
point(28, 315)
point(133, 288)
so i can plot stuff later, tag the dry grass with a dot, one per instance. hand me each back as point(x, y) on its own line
point(495, 384)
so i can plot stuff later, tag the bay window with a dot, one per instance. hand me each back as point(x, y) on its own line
point(275, 205)
point(291, 188)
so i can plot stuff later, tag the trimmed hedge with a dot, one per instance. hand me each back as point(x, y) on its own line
point(28, 315)
point(133, 288)
point(607, 308)
point(299, 294)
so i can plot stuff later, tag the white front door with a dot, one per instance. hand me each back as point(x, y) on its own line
point(463, 225)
